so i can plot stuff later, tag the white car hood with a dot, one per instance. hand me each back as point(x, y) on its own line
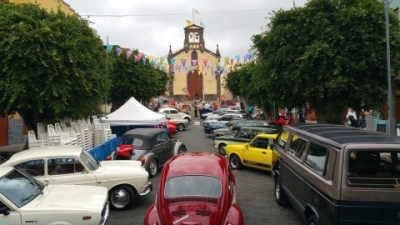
point(114, 169)
point(62, 197)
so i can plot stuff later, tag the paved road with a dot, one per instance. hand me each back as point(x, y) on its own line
point(255, 192)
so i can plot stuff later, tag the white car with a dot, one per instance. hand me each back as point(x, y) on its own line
point(182, 123)
point(24, 200)
point(126, 180)
point(226, 118)
point(175, 114)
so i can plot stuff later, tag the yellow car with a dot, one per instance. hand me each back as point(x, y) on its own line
point(257, 154)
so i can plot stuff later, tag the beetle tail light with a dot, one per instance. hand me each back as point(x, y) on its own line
point(142, 160)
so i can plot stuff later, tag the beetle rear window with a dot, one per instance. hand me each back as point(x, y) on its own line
point(193, 186)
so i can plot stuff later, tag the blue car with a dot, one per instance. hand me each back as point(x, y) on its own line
point(213, 126)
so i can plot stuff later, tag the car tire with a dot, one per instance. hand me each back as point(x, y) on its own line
point(221, 149)
point(312, 220)
point(234, 162)
point(121, 197)
point(153, 168)
point(181, 127)
point(280, 195)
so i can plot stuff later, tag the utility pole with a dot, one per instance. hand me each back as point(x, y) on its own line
point(391, 126)
point(105, 100)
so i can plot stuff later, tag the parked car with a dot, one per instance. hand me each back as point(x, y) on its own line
point(332, 174)
point(228, 117)
point(219, 111)
point(181, 124)
point(232, 130)
point(243, 136)
point(196, 188)
point(171, 128)
point(125, 181)
point(151, 146)
point(223, 113)
point(185, 108)
point(213, 125)
point(256, 154)
point(24, 200)
point(175, 113)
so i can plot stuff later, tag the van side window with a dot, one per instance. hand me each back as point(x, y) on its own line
point(297, 146)
point(283, 138)
point(373, 169)
point(317, 157)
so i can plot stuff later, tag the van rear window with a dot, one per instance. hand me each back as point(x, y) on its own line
point(374, 169)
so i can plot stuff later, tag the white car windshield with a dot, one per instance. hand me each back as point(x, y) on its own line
point(89, 161)
point(19, 188)
point(194, 186)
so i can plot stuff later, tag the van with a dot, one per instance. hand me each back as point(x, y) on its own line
point(332, 174)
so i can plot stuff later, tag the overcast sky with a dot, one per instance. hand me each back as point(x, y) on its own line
point(153, 25)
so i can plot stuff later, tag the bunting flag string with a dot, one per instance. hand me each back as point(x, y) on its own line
point(205, 62)
point(118, 51)
point(128, 54)
point(194, 62)
point(183, 62)
point(172, 61)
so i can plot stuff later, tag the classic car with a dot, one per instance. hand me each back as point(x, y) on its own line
point(256, 154)
point(244, 135)
point(24, 200)
point(208, 128)
point(125, 180)
point(171, 128)
point(175, 113)
point(196, 188)
point(151, 146)
point(232, 130)
point(228, 117)
point(181, 124)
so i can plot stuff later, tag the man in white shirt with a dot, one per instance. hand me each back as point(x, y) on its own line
point(351, 112)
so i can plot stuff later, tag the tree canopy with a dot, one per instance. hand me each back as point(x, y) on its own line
point(330, 53)
point(139, 79)
point(52, 65)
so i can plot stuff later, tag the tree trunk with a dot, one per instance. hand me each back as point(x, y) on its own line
point(115, 104)
point(331, 116)
point(31, 119)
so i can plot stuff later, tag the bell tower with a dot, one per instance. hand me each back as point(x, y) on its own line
point(194, 38)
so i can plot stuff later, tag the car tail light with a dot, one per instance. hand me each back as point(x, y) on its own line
point(86, 217)
point(142, 160)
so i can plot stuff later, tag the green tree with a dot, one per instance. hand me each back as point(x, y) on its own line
point(52, 66)
point(331, 53)
point(140, 80)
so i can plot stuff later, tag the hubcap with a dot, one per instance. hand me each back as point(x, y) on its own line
point(234, 162)
point(120, 198)
point(277, 191)
point(153, 168)
point(222, 149)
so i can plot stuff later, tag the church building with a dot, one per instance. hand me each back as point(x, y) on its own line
point(195, 70)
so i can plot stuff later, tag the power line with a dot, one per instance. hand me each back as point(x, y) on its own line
point(176, 14)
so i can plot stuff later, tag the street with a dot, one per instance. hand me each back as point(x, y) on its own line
point(255, 191)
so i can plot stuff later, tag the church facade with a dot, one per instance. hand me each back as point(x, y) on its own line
point(195, 70)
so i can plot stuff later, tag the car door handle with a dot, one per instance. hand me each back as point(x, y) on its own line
point(263, 153)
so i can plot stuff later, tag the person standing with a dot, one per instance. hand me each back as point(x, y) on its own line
point(351, 120)
point(195, 111)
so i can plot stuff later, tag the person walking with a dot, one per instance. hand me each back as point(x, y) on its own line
point(195, 111)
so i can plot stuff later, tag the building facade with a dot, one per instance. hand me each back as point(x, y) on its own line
point(49, 5)
point(195, 70)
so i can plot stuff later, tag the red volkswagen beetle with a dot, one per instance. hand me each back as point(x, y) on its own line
point(196, 189)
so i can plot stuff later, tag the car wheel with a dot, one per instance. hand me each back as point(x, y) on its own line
point(280, 196)
point(121, 197)
point(153, 168)
point(234, 161)
point(181, 127)
point(313, 220)
point(221, 149)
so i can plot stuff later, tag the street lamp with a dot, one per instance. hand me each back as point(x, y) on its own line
point(391, 127)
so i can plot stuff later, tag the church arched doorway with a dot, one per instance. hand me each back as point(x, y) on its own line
point(195, 84)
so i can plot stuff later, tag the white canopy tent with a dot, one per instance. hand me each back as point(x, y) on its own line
point(133, 113)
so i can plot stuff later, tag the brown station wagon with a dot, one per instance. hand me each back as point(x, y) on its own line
point(332, 174)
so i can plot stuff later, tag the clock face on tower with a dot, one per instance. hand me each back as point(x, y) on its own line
point(194, 37)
